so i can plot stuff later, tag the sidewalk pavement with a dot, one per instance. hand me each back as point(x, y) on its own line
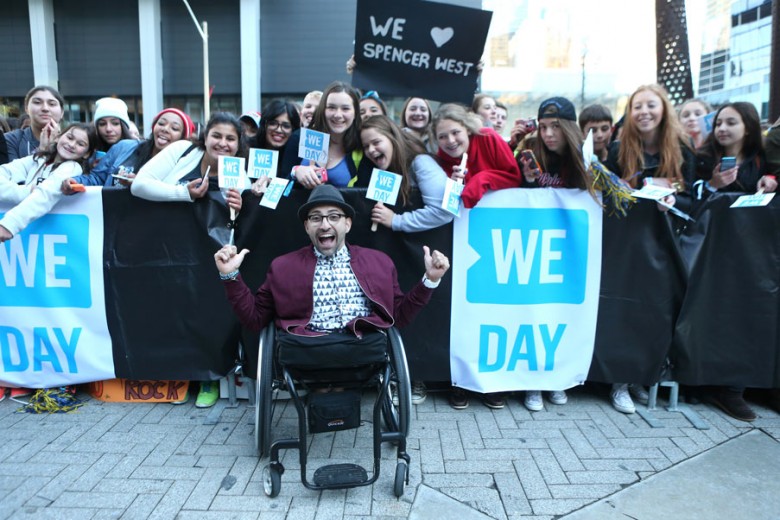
point(110, 460)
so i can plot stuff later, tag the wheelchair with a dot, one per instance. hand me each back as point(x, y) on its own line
point(377, 368)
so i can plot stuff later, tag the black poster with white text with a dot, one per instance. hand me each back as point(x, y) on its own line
point(418, 48)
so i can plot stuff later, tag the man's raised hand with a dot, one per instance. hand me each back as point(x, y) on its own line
point(436, 264)
point(228, 259)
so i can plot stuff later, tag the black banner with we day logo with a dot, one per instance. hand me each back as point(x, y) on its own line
point(418, 48)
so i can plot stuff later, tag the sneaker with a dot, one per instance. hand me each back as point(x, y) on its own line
point(533, 400)
point(2, 393)
point(494, 401)
point(639, 393)
point(419, 392)
point(621, 399)
point(459, 400)
point(208, 395)
point(558, 397)
point(732, 402)
point(20, 392)
point(183, 399)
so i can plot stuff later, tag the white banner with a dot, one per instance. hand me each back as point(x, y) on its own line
point(525, 290)
point(53, 328)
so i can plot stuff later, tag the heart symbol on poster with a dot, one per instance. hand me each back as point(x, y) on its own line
point(441, 36)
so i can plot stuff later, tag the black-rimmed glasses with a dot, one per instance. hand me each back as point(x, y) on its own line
point(333, 218)
point(273, 124)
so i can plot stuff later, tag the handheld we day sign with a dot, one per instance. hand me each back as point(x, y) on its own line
point(421, 49)
point(274, 192)
point(452, 191)
point(753, 201)
point(231, 174)
point(314, 146)
point(262, 163)
point(383, 187)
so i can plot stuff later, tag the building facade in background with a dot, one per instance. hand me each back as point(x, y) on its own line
point(150, 54)
point(736, 53)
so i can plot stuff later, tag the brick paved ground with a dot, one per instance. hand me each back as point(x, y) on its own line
point(161, 461)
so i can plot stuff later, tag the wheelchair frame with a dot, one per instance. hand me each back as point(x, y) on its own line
point(273, 378)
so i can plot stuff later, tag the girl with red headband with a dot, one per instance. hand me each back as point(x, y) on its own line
point(126, 157)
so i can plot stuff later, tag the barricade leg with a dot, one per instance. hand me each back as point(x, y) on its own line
point(674, 406)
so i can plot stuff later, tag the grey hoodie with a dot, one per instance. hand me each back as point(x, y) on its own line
point(21, 143)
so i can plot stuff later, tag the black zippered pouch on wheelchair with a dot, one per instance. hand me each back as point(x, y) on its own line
point(337, 350)
point(334, 411)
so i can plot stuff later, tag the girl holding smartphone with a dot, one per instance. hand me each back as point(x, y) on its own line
point(732, 158)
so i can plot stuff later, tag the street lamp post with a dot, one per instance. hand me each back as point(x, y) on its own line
point(204, 34)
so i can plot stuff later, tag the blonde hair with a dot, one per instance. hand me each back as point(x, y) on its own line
point(671, 138)
point(459, 114)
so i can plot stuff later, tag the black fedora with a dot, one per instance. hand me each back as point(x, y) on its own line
point(325, 195)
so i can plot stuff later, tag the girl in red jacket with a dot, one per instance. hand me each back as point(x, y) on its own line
point(490, 164)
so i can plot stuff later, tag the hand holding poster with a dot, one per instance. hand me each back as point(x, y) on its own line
point(314, 146)
point(383, 187)
point(422, 49)
point(232, 175)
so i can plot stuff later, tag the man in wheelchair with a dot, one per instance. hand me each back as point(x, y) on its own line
point(329, 287)
point(332, 304)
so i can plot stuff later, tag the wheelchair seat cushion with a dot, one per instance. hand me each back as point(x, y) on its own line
point(336, 350)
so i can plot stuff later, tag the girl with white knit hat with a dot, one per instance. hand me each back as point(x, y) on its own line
point(112, 124)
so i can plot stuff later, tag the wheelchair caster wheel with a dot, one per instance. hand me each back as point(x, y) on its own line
point(272, 480)
point(400, 478)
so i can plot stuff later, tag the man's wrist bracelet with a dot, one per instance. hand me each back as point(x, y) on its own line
point(232, 275)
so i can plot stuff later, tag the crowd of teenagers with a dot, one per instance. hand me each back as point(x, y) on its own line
point(653, 142)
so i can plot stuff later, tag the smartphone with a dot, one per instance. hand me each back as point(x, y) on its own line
point(529, 156)
point(122, 177)
point(727, 163)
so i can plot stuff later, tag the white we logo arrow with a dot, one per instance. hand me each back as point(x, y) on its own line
point(441, 36)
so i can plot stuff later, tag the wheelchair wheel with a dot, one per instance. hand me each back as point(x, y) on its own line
point(397, 417)
point(390, 409)
point(272, 480)
point(400, 478)
point(264, 392)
